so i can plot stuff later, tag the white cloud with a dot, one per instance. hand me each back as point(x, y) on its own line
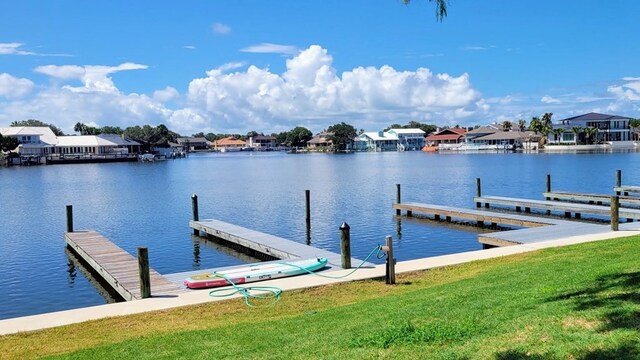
point(93, 77)
point(189, 47)
point(220, 29)
point(12, 87)
point(268, 48)
point(550, 100)
point(165, 95)
point(13, 49)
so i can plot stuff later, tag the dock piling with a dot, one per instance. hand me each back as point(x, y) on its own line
point(143, 269)
point(345, 245)
point(307, 199)
point(194, 208)
point(618, 180)
point(615, 212)
point(390, 263)
point(398, 198)
point(69, 218)
point(548, 212)
point(478, 191)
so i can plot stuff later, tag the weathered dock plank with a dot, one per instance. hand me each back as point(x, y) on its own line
point(116, 266)
point(540, 234)
point(263, 243)
point(476, 215)
point(567, 208)
point(626, 189)
point(598, 199)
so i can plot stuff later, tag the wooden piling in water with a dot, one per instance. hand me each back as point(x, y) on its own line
point(618, 180)
point(345, 245)
point(548, 212)
point(307, 203)
point(143, 270)
point(194, 209)
point(69, 218)
point(478, 191)
point(398, 198)
point(615, 214)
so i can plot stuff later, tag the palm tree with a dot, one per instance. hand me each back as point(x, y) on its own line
point(557, 133)
point(535, 125)
point(577, 130)
point(546, 120)
point(522, 124)
point(591, 133)
point(634, 124)
point(80, 128)
point(441, 8)
point(506, 125)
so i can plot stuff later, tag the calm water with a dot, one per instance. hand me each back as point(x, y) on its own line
point(149, 205)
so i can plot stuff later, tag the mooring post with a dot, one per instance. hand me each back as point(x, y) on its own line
point(548, 212)
point(345, 245)
point(615, 214)
point(194, 208)
point(398, 199)
point(143, 271)
point(390, 264)
point(307, 197)
point(478, 191)
point(69, 218)
point(618, 180)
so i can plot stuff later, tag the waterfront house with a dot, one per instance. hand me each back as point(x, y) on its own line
point(611, 129)
point(262, 142)
point(321, 140)
point(446, 136)
point(193, 143)
point(34, 140)
point(376, 141)
point(103, 144)
point(229, 143)
point(408, 139)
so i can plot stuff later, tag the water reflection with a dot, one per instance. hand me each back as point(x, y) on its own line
point(103, 289)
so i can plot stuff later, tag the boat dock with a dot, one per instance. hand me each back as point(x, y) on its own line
point(266, 244)
point(598, 199)
point(626, 189)
point(116, 266)
point(567, 208)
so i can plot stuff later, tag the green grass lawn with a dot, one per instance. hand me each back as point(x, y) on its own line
point(578, 302)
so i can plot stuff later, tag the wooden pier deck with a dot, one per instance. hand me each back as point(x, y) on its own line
point(262, 243)
point(540, 234)
point(598, 199)
point(567, 208)
point(116, 266)
point(626, 189)
point(448, 213)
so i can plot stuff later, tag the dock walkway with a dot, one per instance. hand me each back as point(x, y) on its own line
point(116, 266)
point(626, 189)
point(559, 206)
point(598, 199)
point(260, 242)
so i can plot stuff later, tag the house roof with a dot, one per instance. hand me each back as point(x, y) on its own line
point(594, 116)
point(321, 138)
point(507, 135)
point(263, 137)
point(443, 137)
point(191, 139)
point(94, 140)
point(45, 132)
point(229, 141)
point(375, 136)
point(482, 130)
point(407, 131)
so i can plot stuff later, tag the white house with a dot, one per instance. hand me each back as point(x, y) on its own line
point(376, 141)
point(409, 139)
point(103, 144)
point(34, 140)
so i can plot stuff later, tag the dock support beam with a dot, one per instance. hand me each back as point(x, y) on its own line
point(615, 215)
point(143, 270)
point(478, 191)
point(618, 180)
point(194, 209)
point(390, 263)
point(398, 198)
point(69, 218)
point(345, 245)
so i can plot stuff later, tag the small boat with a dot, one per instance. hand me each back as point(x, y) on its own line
point(255, 272)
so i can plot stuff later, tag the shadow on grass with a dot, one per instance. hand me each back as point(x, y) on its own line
point(625, 351)
point(616, 295)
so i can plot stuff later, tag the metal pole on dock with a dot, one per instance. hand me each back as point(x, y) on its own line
point(618, 180)
point(194, 208)
point(398, 199)
point(69, 218)
point(143, 271)
point(478, 192)
point(345, 245)
point(390, 263)
point(615, 215)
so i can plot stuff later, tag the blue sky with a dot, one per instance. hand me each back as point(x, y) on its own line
point(237, 66)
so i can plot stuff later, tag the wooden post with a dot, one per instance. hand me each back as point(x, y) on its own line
point(390, 275)
point(615, 215)
point(478, 191)
point(307, 202)
point(398, 199)
point(618, 180)
point(345, 245)
point(69, 218)
point(548, 212)
point(143, 271)
point(194, 208)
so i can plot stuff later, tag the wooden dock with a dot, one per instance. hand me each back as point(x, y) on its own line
point(448, 213)
point(626, 189)
point(116, 266)
point(540, 234)
point(598, 199)
point(267, 244)
point(558, 206)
